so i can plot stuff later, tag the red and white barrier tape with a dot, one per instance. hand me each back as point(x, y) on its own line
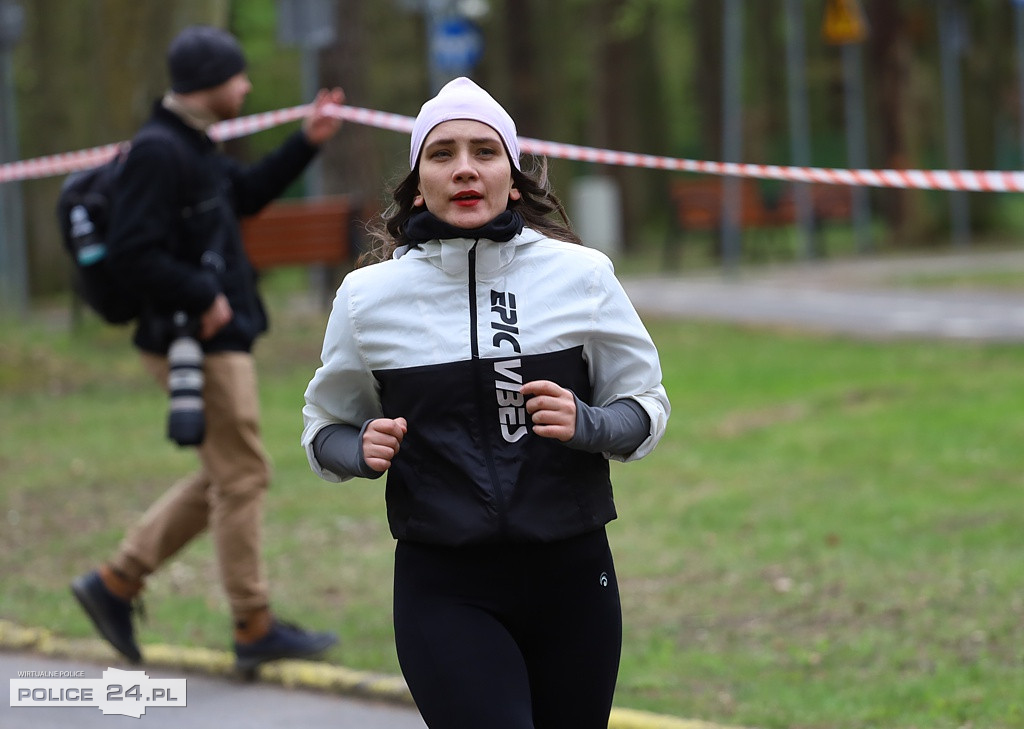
point(981, 181)
point(61, 164)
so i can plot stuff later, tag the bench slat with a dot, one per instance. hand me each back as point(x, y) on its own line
point(297, 233)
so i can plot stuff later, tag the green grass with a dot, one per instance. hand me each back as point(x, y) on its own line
point(830, 535)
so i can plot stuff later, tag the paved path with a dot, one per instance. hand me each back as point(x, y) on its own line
point(288, 694)
point(864, 298)
point(212, 703)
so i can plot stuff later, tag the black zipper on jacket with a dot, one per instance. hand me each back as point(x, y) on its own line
point(481, 407)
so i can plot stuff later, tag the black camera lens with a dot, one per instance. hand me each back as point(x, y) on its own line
point(186, 422)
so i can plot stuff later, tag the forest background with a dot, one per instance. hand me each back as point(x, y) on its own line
point(633, 75)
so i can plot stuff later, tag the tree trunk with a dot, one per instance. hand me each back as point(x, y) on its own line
point(707, 24)
point(349, 163)
point(890, 54)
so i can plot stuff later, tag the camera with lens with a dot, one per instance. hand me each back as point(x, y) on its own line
point(186, 421)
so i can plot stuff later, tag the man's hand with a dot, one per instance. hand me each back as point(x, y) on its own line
point(552, 408)
point(319, 126)
point(381, 441)
point(216, 317)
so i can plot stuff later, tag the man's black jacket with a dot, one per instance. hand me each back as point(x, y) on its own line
point(175, 236)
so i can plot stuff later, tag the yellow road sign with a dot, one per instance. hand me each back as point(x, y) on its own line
point(844, 22)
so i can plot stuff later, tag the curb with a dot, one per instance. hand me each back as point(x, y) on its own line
point(311, 675)
point(289, 673)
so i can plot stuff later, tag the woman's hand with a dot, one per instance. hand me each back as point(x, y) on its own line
point(381, 441)
point(552, 408)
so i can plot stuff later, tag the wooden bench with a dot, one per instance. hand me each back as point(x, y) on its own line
point(699, 204)
point(317, 232)
point(698, 207)
point(831, 202)
point(293, 232)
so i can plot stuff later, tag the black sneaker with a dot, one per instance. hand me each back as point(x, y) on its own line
point(111, 615)
point(283, 641)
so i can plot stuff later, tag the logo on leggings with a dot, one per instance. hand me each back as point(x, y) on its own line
point(603, 579)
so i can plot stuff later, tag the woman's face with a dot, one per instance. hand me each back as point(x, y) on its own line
point(465, 174)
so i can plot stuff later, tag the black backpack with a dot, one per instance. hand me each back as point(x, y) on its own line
point(84, 215)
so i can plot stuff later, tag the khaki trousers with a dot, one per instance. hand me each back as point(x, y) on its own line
point(225, 496)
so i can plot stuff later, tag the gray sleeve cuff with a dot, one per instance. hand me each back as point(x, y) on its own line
point(338, 448)
point(618, 428)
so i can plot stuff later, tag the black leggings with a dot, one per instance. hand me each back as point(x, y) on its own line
point(511, 636)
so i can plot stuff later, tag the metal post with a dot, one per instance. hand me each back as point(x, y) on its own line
point(310, 25)
point(1018, 17)
point(856, 141)
point(13, 259)
point(314, 175)
point(434, 12)
point(951, 44)
point(799, 128)
point(732, 130)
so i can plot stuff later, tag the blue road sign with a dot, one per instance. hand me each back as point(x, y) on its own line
point(456, 44)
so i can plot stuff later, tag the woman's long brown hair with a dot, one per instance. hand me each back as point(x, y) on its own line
point(538, 205)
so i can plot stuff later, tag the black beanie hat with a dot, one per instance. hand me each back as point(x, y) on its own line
point(201, 57)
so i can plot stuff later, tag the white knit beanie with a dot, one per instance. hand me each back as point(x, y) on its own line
point(463, 99)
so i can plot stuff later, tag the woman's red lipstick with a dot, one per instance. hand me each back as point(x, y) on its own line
point(467, 198)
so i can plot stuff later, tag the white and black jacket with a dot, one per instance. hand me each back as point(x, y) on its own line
point(443, 335)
